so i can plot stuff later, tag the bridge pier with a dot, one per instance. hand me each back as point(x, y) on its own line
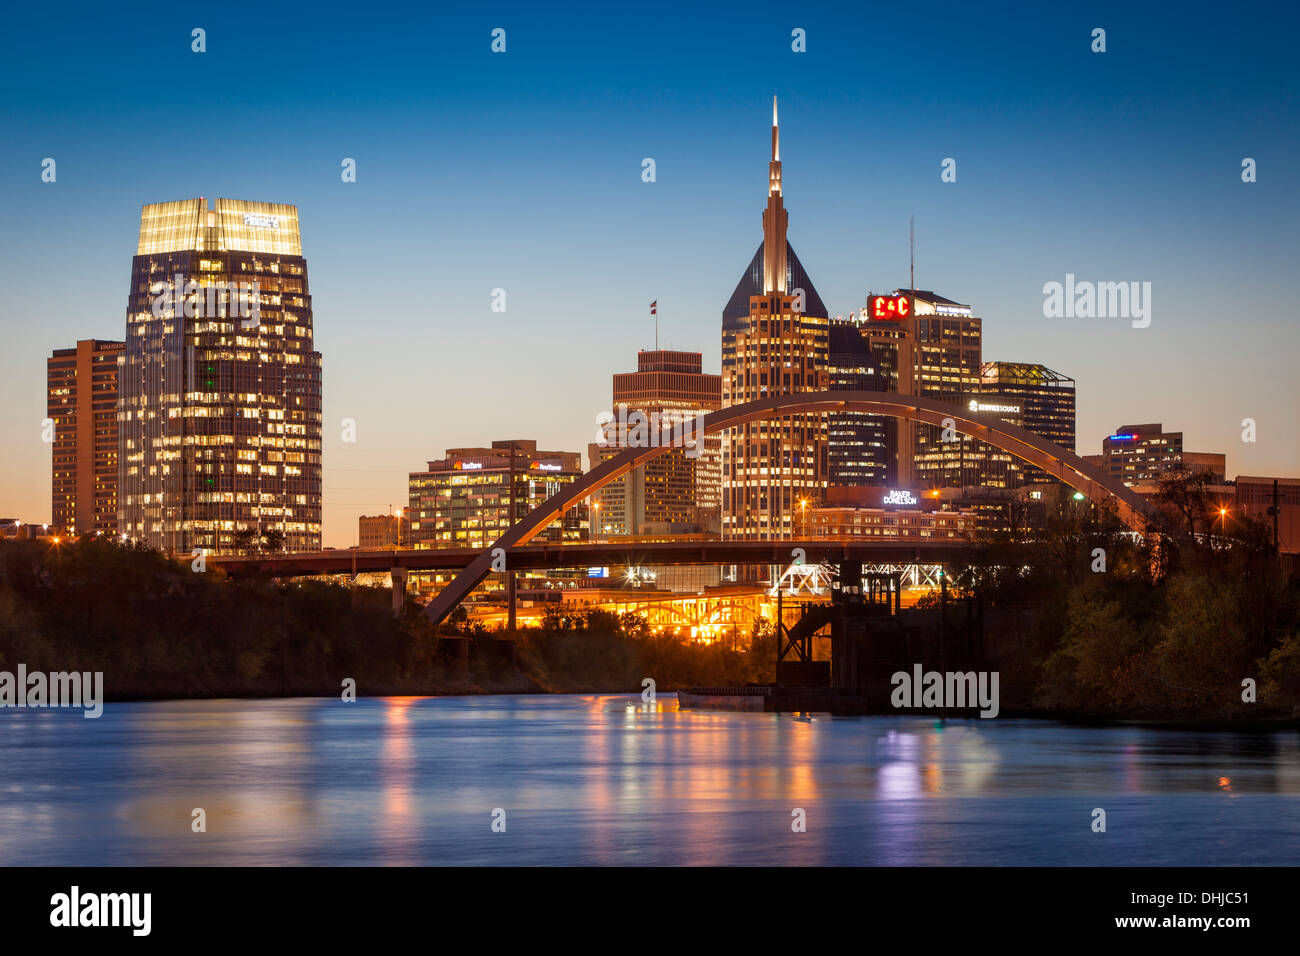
point(399, 576)
point(510, 601)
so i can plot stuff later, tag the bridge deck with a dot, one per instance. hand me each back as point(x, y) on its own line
point(528, 557)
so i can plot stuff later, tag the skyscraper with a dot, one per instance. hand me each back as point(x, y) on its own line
point(81, 399)
point(775, 340)
point(947, 341)
point(922, 344)
point(220, 406)
point(680, 491)
point(1046, 400)
point(887, 327)
point(858, 443)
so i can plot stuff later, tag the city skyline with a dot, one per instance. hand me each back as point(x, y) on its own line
point(399, 354)
point(621, 437)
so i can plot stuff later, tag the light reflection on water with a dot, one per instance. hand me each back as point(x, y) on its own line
point(593, 779)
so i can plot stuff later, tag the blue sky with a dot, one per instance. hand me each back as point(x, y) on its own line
point(522, 171)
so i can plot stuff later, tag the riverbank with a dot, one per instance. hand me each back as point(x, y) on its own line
point(1197, 648)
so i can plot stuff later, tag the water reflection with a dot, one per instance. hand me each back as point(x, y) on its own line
point(594, 779)
point(397, 778)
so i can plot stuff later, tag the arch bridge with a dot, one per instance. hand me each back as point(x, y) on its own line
point(1056, 461)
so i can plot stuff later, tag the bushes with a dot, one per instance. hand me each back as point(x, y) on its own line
point(157, 629)
point(1182, 651)
point(1167, 625)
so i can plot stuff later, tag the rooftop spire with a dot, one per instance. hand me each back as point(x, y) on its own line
point(776, 135)
point(774, 219)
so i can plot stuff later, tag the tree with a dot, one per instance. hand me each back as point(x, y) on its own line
point(246, 541)
point(1099, 662)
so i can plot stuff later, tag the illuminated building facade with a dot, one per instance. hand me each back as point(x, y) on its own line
point(886, 325)
point(775, 340)
point(472, 496)
point(863, 449)
point(1046, 399)
point(81, 399)
point(1141, 454)
point(887, 514)
point(929, 345)
point(679, 491)
point(220, 390)
point(946, 339)
point(384, 531)
point(985, 465)
point(916, 342)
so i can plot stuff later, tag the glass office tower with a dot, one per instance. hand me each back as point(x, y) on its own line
point(219, 413)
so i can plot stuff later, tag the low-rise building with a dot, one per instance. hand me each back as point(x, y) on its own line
point(1137, 454)
point(472, 496)
point(384, 531)
point(886, 514)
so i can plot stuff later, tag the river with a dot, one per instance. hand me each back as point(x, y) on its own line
point(599, 779)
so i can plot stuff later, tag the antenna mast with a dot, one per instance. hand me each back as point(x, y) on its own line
point(911, 232)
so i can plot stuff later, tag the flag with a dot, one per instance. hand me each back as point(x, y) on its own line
point(653, 307)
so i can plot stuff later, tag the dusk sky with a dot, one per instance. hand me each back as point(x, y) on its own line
point(522, 171)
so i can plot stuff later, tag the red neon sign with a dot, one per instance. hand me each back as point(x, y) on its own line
point(889, 307)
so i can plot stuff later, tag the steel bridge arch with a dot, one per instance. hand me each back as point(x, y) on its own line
point(1063, 465)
